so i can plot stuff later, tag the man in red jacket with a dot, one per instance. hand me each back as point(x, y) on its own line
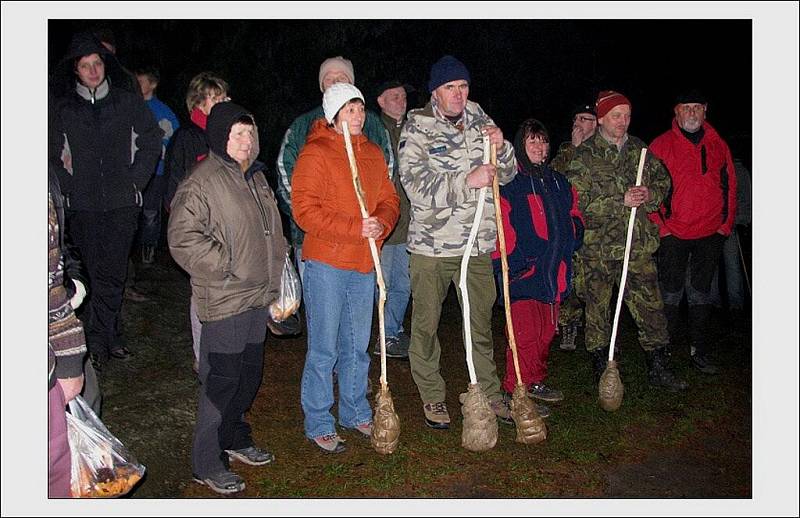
point(695, 218)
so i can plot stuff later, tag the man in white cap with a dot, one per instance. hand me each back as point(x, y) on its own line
point(331, 71)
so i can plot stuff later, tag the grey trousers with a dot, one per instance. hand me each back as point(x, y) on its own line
point(231, 366)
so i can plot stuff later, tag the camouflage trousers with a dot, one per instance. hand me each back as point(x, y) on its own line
point(572, 307)
point(642, 297)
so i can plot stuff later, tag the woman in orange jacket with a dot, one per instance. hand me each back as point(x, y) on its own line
point(339, 279)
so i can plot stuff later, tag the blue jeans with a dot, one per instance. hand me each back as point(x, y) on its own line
point(394, 265)
point(298, 260)
point(338, 321)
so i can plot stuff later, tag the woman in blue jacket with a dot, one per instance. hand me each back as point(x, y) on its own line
point(543, 227)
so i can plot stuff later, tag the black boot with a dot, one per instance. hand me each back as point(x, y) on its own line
point(659, 375)
point(599, 358)
point(672, 313)
point(699, 320)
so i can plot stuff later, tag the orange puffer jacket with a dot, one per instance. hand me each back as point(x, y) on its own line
point(324, 202)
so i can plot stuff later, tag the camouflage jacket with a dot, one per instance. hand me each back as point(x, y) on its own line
point(601, 173)
point(435, 158)
point(564, 155)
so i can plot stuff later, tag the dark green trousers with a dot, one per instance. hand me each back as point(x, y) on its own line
point(430, 280)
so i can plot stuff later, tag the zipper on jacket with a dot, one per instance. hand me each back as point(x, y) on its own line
point(253, 190)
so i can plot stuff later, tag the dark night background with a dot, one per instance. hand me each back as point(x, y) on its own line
point(519, 68)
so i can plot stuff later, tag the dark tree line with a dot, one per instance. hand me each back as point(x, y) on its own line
point(520, 68)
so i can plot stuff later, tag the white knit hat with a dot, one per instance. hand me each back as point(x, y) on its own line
point(336, 96)
point(336, 63)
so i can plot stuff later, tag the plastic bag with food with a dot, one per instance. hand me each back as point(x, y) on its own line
point(102, 466)
point(289, 297)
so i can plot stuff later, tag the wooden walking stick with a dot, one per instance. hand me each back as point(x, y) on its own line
point(610, 389)
point(479, 431)
point(385, 424)
point(531, 428)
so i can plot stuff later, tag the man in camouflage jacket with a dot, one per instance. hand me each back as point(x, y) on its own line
point(442, 171)
point(604, 174)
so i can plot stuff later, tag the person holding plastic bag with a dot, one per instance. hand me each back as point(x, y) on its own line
point(66, 347)
point(101, 465)
point(225, 231)
point(339, 276)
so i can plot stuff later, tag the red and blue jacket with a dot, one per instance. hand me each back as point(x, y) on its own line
point(543, 227)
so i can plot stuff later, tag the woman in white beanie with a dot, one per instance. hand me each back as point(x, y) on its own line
point(339, 281)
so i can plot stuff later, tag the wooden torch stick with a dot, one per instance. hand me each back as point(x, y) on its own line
point(625, 260)
point(501, 238)
point(376, 260)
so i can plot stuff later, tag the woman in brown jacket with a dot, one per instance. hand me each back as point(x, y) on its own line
point(225, 231)
point(339, 278)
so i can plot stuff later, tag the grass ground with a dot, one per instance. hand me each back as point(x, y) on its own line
point(693, 444)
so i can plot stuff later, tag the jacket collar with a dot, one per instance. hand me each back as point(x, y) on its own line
point(92, 95)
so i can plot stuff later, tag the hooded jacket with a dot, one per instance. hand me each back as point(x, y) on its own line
point(225, 229)
point(324, 202)
point(543, 227)
point(104, 143)
point(702, 200)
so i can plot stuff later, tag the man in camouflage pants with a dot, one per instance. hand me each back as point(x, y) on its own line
point(442, 171)
point(604, 174)
point(584, 125)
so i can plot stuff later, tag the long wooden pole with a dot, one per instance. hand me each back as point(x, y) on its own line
point(624, 277)
point(501, 238)
point(376, 259)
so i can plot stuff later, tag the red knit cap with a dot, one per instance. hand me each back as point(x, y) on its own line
point(607, 100)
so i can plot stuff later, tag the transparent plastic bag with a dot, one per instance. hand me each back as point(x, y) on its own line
point(102, 467)
point(291, 292)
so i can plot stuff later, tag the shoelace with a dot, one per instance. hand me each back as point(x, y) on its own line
point(439, 408)
point(331, 437)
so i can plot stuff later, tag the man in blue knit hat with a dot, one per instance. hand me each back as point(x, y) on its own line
point(442, 170)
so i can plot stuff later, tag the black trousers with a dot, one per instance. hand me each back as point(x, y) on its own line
point(701, 257)
point(231, 367)
point(104, 240)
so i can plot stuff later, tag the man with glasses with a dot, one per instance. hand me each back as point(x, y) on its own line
point(584, 124)
point(695, 218)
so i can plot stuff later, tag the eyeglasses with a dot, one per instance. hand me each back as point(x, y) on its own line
point(583, 118)
point(699, 108)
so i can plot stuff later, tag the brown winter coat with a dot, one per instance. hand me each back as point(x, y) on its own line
point(225, 231)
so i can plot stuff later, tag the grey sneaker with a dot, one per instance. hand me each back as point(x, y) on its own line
point(224, 482)
point(394, 349)
point(330, 443)
point(502, 410)
point(436, 415)
point(364, 429)
point(568, 334)
point(251, 455)
point(543, 411)
point(545, 393)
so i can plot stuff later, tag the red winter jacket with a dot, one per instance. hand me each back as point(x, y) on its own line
point(702, 200)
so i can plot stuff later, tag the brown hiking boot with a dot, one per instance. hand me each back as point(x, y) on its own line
point(436, 415)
